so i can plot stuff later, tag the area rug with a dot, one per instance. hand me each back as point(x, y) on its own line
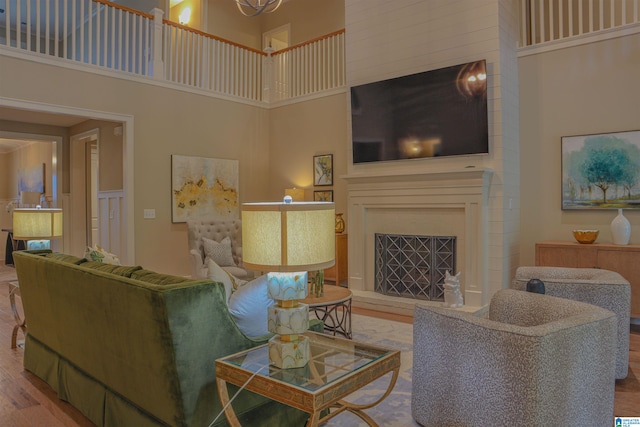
point(395, 410)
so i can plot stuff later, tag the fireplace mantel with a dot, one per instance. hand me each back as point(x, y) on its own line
point(434, 202)
point(467, 173)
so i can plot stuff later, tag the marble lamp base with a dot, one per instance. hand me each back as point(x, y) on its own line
point(289, 354)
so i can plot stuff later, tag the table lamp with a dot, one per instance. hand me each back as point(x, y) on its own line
point(287, 240)
point(37, 224)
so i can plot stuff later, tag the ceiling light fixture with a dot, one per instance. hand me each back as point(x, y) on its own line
point(256, 7)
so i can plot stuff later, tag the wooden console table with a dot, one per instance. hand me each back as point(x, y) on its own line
point(623, 259)
point(340, 271)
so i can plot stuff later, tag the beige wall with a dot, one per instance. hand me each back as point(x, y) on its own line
point(8, 177)
point(31, 154)
point(41, 130)
point(226, 21)
point(575, 91)
point(308, 18)
point(109, 150)
point(165, 122)
point(300, 131)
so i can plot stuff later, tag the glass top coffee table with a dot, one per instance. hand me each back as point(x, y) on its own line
point(337, 368)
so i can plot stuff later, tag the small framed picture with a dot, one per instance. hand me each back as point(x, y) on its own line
point(323, 170)
point(323, 196)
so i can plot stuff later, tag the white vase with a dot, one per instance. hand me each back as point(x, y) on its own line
point(620, 229)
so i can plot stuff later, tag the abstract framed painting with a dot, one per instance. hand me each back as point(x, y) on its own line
point(203, 187)
point(323, 170)
point(601, 171)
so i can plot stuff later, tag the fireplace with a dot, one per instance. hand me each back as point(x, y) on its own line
point(447, 203)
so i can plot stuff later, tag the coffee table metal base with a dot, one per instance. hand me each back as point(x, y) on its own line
point(21, 324)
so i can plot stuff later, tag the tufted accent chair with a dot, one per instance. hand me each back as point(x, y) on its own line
point(604, 288)
point(536, 360)
point(215, 230)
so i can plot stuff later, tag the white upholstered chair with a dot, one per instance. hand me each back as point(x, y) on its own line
point(604, 288)
point(537, 360)
point(216, 230)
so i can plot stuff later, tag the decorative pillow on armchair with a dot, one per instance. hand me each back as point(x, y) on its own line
point(100, 255)
point(219, 252)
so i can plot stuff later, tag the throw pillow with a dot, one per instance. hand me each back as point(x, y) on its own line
point(248, 306)
point(219, 252)
point(100, 255)
point(217, 274)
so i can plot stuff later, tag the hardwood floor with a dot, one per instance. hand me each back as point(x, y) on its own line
point(25, 400)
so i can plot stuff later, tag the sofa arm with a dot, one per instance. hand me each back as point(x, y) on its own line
point(198, 269)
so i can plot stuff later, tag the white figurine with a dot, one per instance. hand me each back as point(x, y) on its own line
point(452, 294)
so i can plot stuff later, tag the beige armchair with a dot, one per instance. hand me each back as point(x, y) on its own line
point(604, 288)
point(216, 230)
point(536, 360)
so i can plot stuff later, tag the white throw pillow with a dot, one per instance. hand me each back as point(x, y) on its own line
point(217, 274)
point(248, 306)
point(219, 252)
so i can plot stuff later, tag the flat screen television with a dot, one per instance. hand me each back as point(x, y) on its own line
point(434, 113)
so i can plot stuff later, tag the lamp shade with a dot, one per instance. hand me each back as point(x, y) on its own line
point(37, 224)
point(288, 236)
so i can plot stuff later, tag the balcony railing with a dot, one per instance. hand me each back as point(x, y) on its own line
point(544, 21)
point(101, 34)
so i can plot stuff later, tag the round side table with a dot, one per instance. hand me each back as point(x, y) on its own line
point(333, 308)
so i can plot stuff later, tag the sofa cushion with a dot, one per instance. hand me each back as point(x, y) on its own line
point(248, 306)
point(66, 258)
point(158, 278)
point(219, 252)
point(120, 270)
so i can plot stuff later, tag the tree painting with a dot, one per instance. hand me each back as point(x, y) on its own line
point(601, 171)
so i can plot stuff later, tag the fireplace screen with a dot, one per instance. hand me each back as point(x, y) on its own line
point(413, 266)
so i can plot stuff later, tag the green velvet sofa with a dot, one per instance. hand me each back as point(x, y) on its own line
point(131, 347)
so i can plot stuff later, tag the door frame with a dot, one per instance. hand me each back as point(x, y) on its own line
point(80, 202)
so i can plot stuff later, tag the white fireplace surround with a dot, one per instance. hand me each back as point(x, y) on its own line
point(431, 203)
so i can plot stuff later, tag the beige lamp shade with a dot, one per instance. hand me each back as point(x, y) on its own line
point(37, 224)
point(288, 236)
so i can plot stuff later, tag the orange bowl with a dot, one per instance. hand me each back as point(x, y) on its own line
point(585, 236)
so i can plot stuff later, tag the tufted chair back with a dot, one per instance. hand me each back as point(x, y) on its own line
point(217, 230)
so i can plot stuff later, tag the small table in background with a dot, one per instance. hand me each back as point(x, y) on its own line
point(14, 288)
point(333, 308)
